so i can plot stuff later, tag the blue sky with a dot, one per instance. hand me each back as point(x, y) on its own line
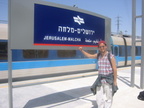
point(108, 8)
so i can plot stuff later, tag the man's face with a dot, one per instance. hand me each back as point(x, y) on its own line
point(102, 48)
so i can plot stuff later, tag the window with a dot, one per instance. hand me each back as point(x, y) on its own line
point(30, 54)
point(91, 51)
point(138, 51)
point(112, 49)
point(116, 51)
point(121, 51)
point(128, 50)
point(3, 51)
point(66, 53)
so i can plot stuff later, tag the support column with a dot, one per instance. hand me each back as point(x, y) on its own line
point(142, 50)
point(133, 42)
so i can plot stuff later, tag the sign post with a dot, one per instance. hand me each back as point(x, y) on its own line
point(10, 78)
point(10, 90)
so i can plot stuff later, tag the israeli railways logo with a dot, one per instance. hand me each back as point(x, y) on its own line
point(78, 20)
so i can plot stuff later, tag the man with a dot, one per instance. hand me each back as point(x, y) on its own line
point(104, 86)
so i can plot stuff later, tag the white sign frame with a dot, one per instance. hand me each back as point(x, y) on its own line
point(22, 24)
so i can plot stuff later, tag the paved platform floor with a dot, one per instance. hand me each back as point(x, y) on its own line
point(72, 92)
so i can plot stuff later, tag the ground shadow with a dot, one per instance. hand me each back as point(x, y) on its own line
point(126, 80)
point(60, 98)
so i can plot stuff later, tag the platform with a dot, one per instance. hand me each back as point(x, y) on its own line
point(71, 91)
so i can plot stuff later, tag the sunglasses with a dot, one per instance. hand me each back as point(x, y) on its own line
point(101, 46)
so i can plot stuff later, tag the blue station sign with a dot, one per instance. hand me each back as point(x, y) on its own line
point(56, 26)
